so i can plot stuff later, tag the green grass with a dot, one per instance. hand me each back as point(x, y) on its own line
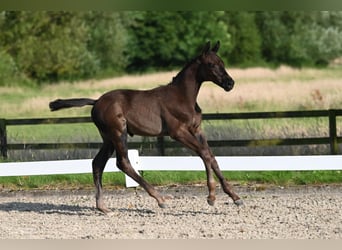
point(72, 181)
point(80, 132)
point(282, 178)
point(286, 178)
point(160, 178)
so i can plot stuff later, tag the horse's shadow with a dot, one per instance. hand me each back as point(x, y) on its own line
point(46, 208)
point(77, 210)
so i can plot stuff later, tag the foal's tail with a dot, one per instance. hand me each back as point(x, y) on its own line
point(69, 103)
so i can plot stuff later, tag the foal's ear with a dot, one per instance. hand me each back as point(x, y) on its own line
point(216, 47)
point(206, 48)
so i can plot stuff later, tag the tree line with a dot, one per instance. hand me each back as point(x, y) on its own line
point(50, 46)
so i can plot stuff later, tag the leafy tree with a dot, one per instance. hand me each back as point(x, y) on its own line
point(318, 42)
point(168, 39)
point(300, 38)
point(48, 45)
point(246, 41)
point(9, 72)
point(274, 36)
point(108, 39)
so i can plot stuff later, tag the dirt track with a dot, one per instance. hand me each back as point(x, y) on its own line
point(286, 213)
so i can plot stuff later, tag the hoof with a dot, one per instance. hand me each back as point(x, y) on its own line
point(211, 202)
point(162, 205)
point(238, 203)
point(105, 211)
point(110, 214)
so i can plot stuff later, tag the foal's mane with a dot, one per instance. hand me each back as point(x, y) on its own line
point(191, 62)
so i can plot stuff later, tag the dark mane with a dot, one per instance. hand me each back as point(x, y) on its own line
point(191, 62)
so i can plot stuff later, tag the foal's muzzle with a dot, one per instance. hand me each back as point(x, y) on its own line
point(228, 84)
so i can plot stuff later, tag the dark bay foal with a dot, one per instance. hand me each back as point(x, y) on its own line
point(167, 110)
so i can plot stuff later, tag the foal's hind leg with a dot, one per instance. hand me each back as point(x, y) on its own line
point(99, 164)
point(124, 164)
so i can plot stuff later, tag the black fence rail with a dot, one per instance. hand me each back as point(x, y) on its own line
point(333, 139)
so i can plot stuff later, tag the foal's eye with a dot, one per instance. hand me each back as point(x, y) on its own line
point(211, 65)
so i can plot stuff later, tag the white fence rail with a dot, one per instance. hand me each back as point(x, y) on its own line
point(176, 163)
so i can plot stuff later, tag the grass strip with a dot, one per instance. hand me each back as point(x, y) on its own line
point(160, 178)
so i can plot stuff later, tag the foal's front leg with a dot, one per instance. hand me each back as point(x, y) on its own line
point(207, 157)
point(227, 188)
point(198, 143)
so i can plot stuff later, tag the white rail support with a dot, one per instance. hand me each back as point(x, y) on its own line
point(176, 163)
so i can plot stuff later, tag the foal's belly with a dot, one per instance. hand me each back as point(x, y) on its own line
point(145, 125)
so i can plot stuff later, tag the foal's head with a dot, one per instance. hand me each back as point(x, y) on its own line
point(212, 68)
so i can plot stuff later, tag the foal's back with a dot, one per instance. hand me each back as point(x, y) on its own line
point(141, 112)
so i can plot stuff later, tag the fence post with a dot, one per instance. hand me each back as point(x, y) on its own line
point(3, 138)
point(333, 132)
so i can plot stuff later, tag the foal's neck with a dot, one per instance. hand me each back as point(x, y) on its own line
point(188, 82)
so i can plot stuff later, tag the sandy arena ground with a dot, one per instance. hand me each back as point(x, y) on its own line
point(269, 213)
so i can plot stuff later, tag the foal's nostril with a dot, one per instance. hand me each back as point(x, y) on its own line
point(231, 82)
point(228, 84)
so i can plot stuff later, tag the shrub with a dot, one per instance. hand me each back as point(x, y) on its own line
point(246, 41)
point(9, 73)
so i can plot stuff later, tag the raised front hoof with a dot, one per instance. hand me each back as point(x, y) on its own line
point(238, 203)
